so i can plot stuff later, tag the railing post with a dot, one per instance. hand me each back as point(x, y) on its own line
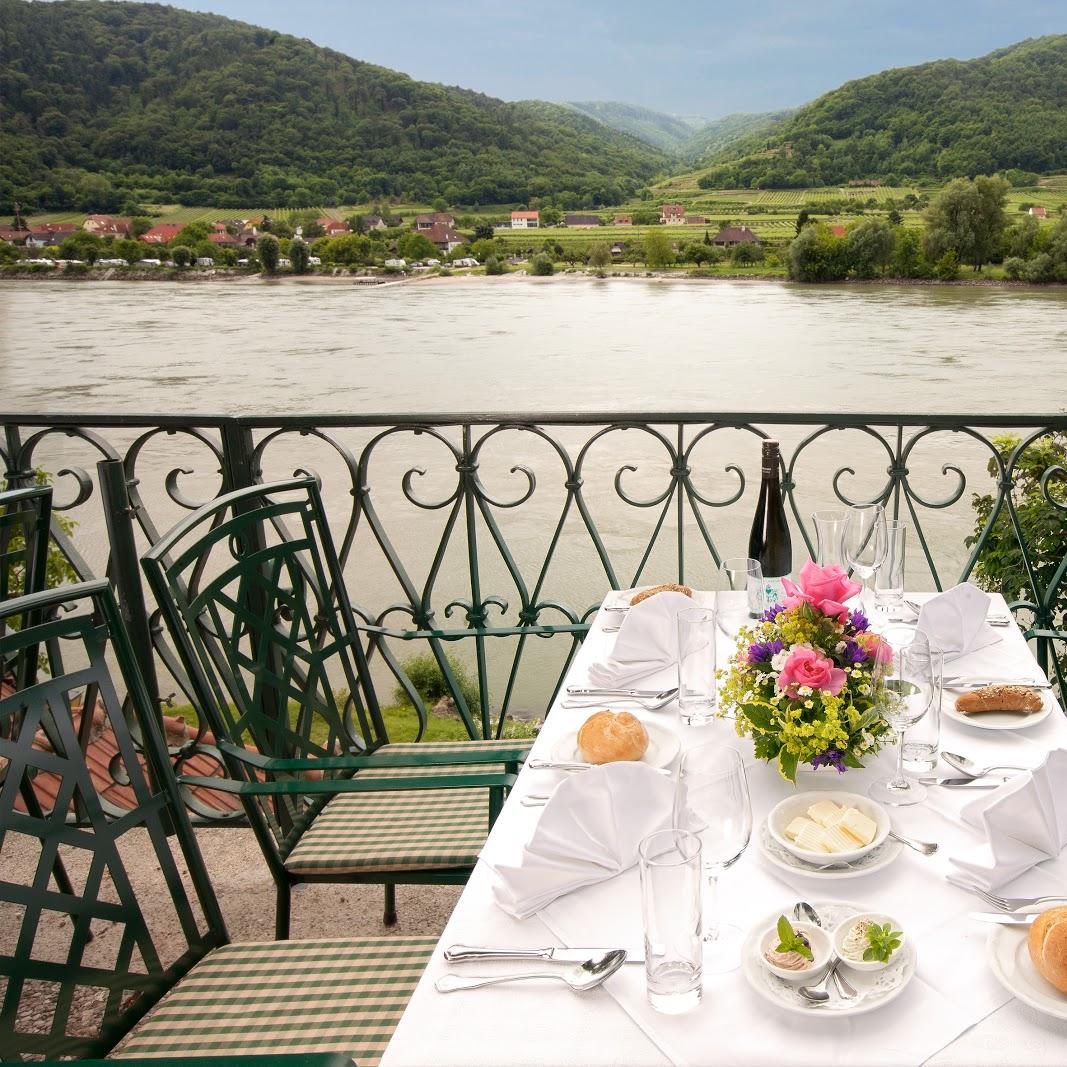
point(16, 478)
point(126, 570)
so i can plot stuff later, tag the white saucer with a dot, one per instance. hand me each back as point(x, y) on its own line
point(998, 720)
point(663, 746)
point(876, 988)
point(1009, 959)
point(782, 858)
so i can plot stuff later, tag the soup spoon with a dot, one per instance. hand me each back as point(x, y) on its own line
point(582, 978)
point(971, 769)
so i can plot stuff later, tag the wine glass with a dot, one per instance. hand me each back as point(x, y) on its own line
point(712, 801)
point(863, 544)
point(739, 596)
point(904, 692)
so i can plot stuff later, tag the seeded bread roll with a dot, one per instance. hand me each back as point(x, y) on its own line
point(607, 738)
point(669, 587)
point(1048, 946)
point(1000, 698)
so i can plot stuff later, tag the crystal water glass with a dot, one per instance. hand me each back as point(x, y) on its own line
point(712, 801)
point(829, 537)
point(863, 545)
point(739, 596)
point(697, 692)
point(889, 578)
point(670, 868)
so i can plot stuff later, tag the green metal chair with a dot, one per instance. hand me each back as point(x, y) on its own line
point(253, 597)
point(208, 998)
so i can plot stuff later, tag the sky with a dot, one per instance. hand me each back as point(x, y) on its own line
point(689, 57)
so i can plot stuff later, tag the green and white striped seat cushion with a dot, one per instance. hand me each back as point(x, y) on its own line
point(287, 996)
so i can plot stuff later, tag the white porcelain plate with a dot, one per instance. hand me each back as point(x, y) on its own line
point(782, 858)
point(998, 720)
point(1010, 961)
point(876, 988)
point(663, 746)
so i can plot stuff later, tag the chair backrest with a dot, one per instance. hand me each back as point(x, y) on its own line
point(89, 963)
point(253, 597)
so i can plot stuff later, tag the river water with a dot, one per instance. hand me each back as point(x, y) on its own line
point(516, 345)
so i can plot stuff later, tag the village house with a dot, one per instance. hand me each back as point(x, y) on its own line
point(333, 227)
point(443, 237)
point(1039, 212)
point(729, 236)
point(224, 239)
point(525, 220)
point(13, 235)
point(839, 231)
point(107, 226)
point(623, 220)
point(161, 234)
point(438, 218)
point(672, 214)
point(582, 222)
point(617, 250)
point(50, 233)
point(695, 220)
point(375, 222)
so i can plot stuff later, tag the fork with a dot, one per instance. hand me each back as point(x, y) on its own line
point(1013, 903)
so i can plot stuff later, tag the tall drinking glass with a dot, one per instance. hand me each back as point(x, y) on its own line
point(904, 692)
point(863, 545)
point(696, 666)
point(739, 596)
point(671, 909)
point(889, 578)
point(829, 535)
point(711, 800)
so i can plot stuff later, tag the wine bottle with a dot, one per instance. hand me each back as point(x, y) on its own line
point(769, 543)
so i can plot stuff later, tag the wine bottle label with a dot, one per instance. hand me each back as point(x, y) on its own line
point(773, 591)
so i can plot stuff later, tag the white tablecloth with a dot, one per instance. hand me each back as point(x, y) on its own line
point(953, 1013)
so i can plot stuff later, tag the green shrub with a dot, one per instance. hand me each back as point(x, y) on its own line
point(947, 268)
point(428, 679)
point(494, 266)
point(1014, 268)
point(542, 265)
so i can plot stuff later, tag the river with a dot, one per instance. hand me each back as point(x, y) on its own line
point(562, 344)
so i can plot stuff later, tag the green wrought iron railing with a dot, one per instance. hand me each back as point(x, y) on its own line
point(489, 539)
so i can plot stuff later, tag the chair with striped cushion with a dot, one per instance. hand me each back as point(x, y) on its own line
point(254, 600)
point(166, 972)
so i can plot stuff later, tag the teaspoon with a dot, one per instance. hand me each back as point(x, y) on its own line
point(971, 769)
point(584, 977)
point(846, 991)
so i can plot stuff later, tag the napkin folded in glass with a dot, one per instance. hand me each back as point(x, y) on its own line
point(1023, 822)
point(589, 831)
point(955, 621)
point(647, 642)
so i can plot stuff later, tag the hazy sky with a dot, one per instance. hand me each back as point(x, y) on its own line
point(687, 57)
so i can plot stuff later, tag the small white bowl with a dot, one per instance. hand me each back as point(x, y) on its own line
point(818, 941)
point(784, 813)
point(841, 932)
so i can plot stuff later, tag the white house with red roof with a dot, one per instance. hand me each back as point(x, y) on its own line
point(672, 214)
point(107, 225)
point(525, 220)
point(1039, 212)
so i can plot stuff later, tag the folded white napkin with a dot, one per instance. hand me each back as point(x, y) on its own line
point(955, 621)
point(647, 642)
point(589, 831)
point(1024, 822)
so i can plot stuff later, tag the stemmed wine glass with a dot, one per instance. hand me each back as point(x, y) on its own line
point(739, 596)
point(712, 801)
point(863, 544)
point(904, 691)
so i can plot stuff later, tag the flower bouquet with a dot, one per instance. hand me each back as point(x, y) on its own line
point(802, 682)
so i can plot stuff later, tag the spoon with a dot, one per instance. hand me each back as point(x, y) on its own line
point(971, 769)
point(648, 704)
point(585, 976)
point(845, 990)
point(927, 848)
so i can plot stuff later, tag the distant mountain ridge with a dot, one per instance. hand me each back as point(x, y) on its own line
point(950, 118)
point(718, 136)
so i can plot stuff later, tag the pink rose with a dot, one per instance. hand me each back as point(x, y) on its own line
point(807, 667)
point(877, 650)
point(825, 588)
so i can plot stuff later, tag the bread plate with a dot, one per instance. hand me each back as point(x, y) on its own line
point(663, 746)
point(998, 720)
point(785, 860)
point(1009, 959)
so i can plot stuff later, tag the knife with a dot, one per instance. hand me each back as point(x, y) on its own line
point(1003, 917)
point(953, 682)
point(463, 953)
point(985, 782)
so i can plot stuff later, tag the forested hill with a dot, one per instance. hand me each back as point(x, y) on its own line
point(175, 106)
point(1007, 110)
point(719, 134)
point(668, 132)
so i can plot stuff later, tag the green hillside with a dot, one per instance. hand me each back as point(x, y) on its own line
point(106, 103)
point(1004, 111)
point(666, 132)
point(717, 136)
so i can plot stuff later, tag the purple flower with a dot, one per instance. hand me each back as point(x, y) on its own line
point(859, 621)
point(832, 757)
point(773, 612)
point(764, 651)
point(854, 653)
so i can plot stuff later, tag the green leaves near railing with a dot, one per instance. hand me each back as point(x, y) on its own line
point(428, 680)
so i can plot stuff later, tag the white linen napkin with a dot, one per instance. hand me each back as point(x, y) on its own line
point(589, 831)
point(1024, 822)
point(955, 621)
point(647, 642)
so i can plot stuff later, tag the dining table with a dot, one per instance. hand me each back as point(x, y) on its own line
point(954, 1011)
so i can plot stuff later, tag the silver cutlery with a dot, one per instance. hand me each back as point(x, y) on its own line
point(957, 682)
point(971, 769)
point(585, 976)
point(1002, 917)
point(926, 848)
point(639, 694)
point(574, 765)
point(616, 607)
point(594, 702)
point(466, 953)
point(844, 988)
point(1014, 903)
point(966, 783)
point(535, 800)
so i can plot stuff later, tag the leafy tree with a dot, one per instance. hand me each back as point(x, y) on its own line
point(803, 218)
point(1015, 268)
point(895, 218)
point(96, 194)
point(542, 265)
point(139, 225)
point(10, 254)
point(81, 245)
point(182, 256)
point(428, 680)
point(299, 254)
point(909, 257)
point(707, 238)
point(947, 268)
point(191, 235)
point(1024, 239)
point(414, 246)
point(550, 216)
point(658, 251)
point(349, 250)
point(483, 232)
point(600, 254)
point(968, 218)
point(494, 266)
point(816, 255)
point(869, 246)
point(269, 251)
point(746, 253)
point(645, 218)
point(129, 250)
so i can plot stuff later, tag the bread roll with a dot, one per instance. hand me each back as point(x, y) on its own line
point(1048, 946)
point(1000, 698)
point(606, 737)
point(669, 587)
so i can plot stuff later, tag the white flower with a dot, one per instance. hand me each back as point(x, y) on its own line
point(839, 647)
point(778, 660)
point(809, 703)
point(805, 691)
point(864, 690)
